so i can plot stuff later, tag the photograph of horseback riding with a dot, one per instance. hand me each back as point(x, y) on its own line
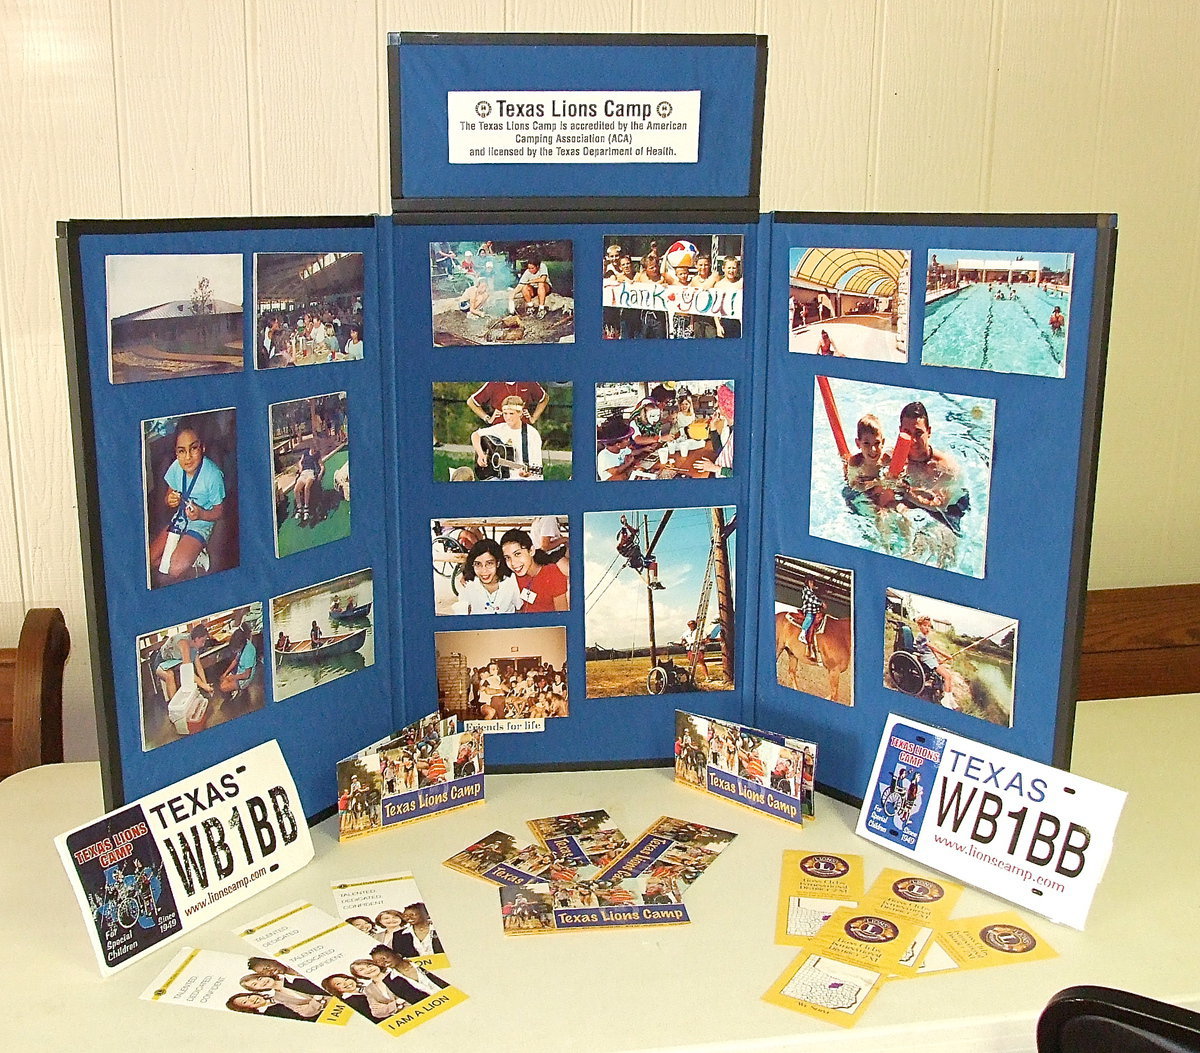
point(659, 601)
point(956, 657)
point(814, 628)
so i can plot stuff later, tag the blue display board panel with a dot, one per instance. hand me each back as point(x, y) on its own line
point(600, 731)
point(1023, 541)
point(729, 72)
point(315, 727)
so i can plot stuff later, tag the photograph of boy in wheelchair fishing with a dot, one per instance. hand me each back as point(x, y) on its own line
point(956, 657)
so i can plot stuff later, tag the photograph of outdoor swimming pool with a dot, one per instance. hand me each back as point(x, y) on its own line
point(1006, 312)
point(903, 472)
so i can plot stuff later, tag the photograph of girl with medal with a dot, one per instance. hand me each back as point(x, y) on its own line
point(191, 495)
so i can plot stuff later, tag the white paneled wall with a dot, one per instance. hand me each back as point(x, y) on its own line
point(140, 108)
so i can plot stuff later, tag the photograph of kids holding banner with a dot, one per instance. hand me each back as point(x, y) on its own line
point(190, 470)
point(659, 287)
point(903, 472)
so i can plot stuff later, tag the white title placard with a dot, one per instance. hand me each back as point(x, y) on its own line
point(1032, 834)
point(573, 127)
point(150, 871)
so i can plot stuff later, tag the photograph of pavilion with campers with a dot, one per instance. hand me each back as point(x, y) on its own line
point(309, 308)
point(173, 316)
point(1002, 311)
point(849, 303)
point(659, 591)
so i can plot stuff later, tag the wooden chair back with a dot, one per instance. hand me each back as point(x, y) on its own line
point(31, 677)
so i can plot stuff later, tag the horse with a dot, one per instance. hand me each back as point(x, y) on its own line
point(833, 644)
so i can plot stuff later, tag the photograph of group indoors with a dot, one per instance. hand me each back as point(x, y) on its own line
point(310, 448)
point(814, 628)
point(666, 429)
point(668, 287)
point(190, 478)
point(501, 430)
point(956, 657)
point(322, 632)
point(502, 292)
point(502, 674)
point(309, 308)
point(200, 673)
point(501, 565)
point(174, 316)
point(849, 303)
point(903, 472)
point(1001, 311)
point(659, 594)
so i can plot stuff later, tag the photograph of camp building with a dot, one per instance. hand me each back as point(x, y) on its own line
point(174, 316)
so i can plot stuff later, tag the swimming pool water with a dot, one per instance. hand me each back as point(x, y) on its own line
point(972, 329)
point(962, 424)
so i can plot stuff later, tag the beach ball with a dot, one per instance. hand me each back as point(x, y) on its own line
point(682, 254)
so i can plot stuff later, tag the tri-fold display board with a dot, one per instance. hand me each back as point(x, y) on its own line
point(480, 454)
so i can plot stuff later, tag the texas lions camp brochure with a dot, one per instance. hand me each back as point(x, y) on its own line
point(150, 871)
point(1033, 834)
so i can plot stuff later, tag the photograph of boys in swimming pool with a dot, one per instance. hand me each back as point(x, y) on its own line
point(502, 292)
point(672, 286)
point(902, 471)
point(956, 657)
point(1002, 311)
point(190, 481)
point(849, 303)
point(814, 628)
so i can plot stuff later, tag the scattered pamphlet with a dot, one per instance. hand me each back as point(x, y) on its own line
point(559, 906)
point(425, 768)
point(812, 885)
point(254, 986)
point(151, 870)
point(391, 910)
point(826, 988)
point(762, 770)
point(387, 988)
point(1024, 831)
point(586, 841)
point(499, 858)
point(671, 850)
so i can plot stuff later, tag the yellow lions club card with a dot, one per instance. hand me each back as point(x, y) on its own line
point(992, 939)
point(873, 940)
point(812, 885)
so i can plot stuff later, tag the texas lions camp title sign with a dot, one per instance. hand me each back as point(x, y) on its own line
point(573, 127)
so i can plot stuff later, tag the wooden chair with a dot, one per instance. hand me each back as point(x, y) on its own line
point(31, 677)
